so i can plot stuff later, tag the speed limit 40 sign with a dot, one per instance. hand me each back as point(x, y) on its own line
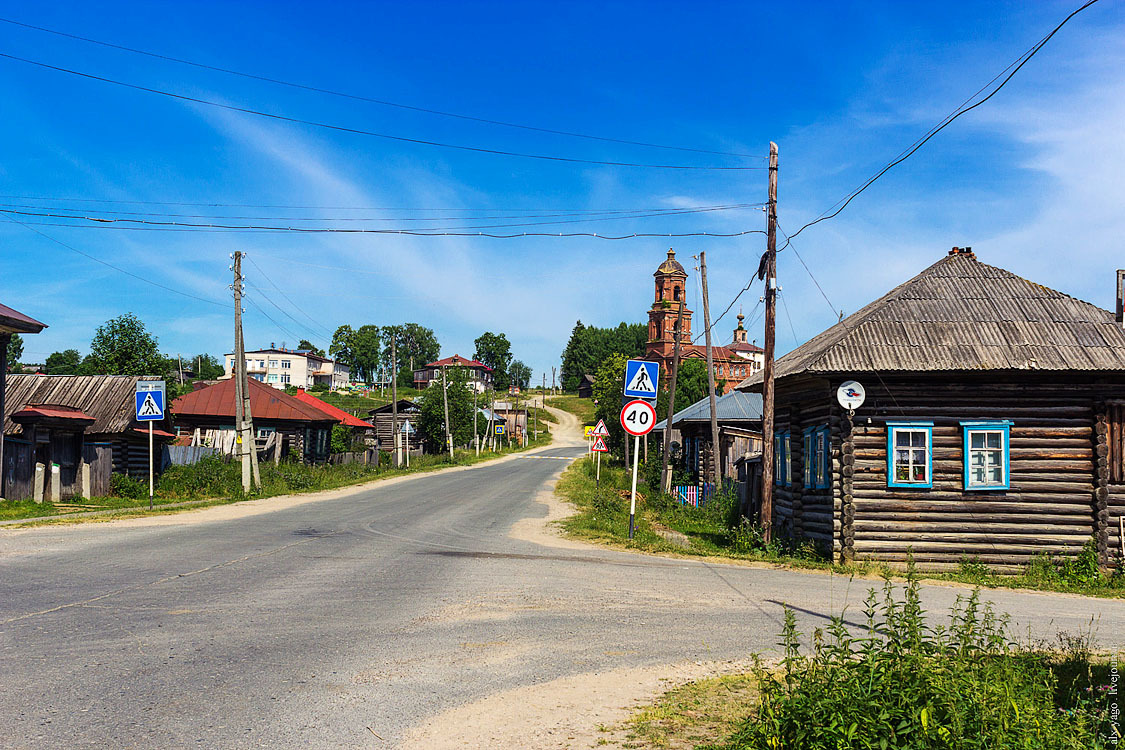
point(638, 417)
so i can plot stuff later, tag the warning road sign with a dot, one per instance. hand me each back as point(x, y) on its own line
point(588, 431)
point(640, 378)
point(599, 446)
point(600, 430)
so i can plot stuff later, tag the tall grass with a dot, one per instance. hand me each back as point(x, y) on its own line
point(908, 684)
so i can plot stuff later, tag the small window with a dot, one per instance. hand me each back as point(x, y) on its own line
point(272, 377)
point(285, 364)
point(817, 458)
point(987, 455)
point(910, 454)
point(1115, 435)
point(285, 378)
point(273, 363)
point(781, 458)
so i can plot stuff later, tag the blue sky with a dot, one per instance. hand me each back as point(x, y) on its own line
point(1031, 180)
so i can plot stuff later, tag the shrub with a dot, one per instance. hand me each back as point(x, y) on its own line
point(123, 485)
point(908, 685)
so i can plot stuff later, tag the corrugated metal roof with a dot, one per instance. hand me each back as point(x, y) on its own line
point(265, 403)
point(341, 416)
point(50, 411)
point(733, 407)
point(457, 359)
point(107, 398)
point(963, 315)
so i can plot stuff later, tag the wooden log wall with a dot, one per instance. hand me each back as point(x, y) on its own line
point(803, 512)
point(1051, 506)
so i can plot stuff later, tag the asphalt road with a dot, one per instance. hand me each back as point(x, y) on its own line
point(302, 627)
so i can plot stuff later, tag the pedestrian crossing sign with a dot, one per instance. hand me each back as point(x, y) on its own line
point(149, 400)
point(641, 377)
point(499, 429)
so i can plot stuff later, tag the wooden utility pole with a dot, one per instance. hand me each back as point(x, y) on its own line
point(768, 446)
point(476, 436)
point(665, 469)
point(445, 404)
point(395, 439)
point(716, 471)
point(552, 381)
point(243, 420)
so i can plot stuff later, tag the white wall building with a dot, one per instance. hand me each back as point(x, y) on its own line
point(282, 367)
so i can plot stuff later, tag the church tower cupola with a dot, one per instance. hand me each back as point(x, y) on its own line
point(670, 294)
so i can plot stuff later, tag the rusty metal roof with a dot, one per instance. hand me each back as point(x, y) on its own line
point(107, 398)
point(50, 411)
point(963, 315)
point(265, 403)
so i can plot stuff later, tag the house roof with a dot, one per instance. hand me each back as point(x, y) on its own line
point(963, 315)
point(457, 359)
point(292, 352)
point(736, 406)
point(51, 411)
point(344, 418)
point(404, 404)
point(265, 403)
point(743, 346)
point(107, 398)
point(13, 321)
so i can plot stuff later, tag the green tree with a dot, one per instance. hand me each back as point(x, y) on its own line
point(307, 346)
point(416, 345)
point(431, 417)
point(15, 351)
point(122, 346)
point(342, 348)
point(495, 350)
point(520, 374)
point(206, 366)
point(366, 352)
point(691, 386)
point(609, 387)
point(589, 346)
point(65, 362)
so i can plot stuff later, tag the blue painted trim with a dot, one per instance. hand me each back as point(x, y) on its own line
point(1002, 426)
point(928, 427)
point(825, 435)
point(809, 450)
point(783, 457)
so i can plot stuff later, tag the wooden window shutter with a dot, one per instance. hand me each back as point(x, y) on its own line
point(1116, 440)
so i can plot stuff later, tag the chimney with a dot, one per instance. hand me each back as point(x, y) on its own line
point(966, 251)
point(1121, 297)
point(273, 345)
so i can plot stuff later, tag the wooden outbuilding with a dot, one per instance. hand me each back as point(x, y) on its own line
point(301, 427)
point(586, 386)
point(739, 415)
point(993, 428)
point(74, 421)
point(12, 322)
point(382, 419)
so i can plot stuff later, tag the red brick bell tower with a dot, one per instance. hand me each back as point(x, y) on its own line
point(670, 285)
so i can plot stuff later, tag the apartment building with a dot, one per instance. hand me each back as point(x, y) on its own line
point(281, 367)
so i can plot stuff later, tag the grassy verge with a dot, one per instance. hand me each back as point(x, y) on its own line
point(664, 526)
point(215, 481)
point(583, 408)
point(899, 683)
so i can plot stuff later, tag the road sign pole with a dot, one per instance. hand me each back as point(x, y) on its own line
point(150, 465)
point(408, 450)
point(633, 500)
point(598, 481)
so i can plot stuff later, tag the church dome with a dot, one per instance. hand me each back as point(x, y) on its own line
point(671, 265)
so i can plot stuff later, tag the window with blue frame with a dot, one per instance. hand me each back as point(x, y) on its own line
point(816, 455)
point(987, 455)
point(910, 454)
point(781, 458)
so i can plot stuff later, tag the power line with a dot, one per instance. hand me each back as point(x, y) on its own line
point(570, 217)
point(282, 310)
point(371, 100)
point(409, 232)
point(586, 215)
point(371, 133)
point(744, 289)
point(267, 316)
point(785, 306)
point(1015, 68)
point(283, 294)
point(119, 269)
point(336, 208)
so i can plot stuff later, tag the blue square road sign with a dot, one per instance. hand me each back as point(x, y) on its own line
point(641, 378)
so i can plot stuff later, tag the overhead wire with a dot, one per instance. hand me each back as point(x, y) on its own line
point(371, 100)
point(286, 297)
point(962, 110)
point(370, 133)
point(138, 277)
